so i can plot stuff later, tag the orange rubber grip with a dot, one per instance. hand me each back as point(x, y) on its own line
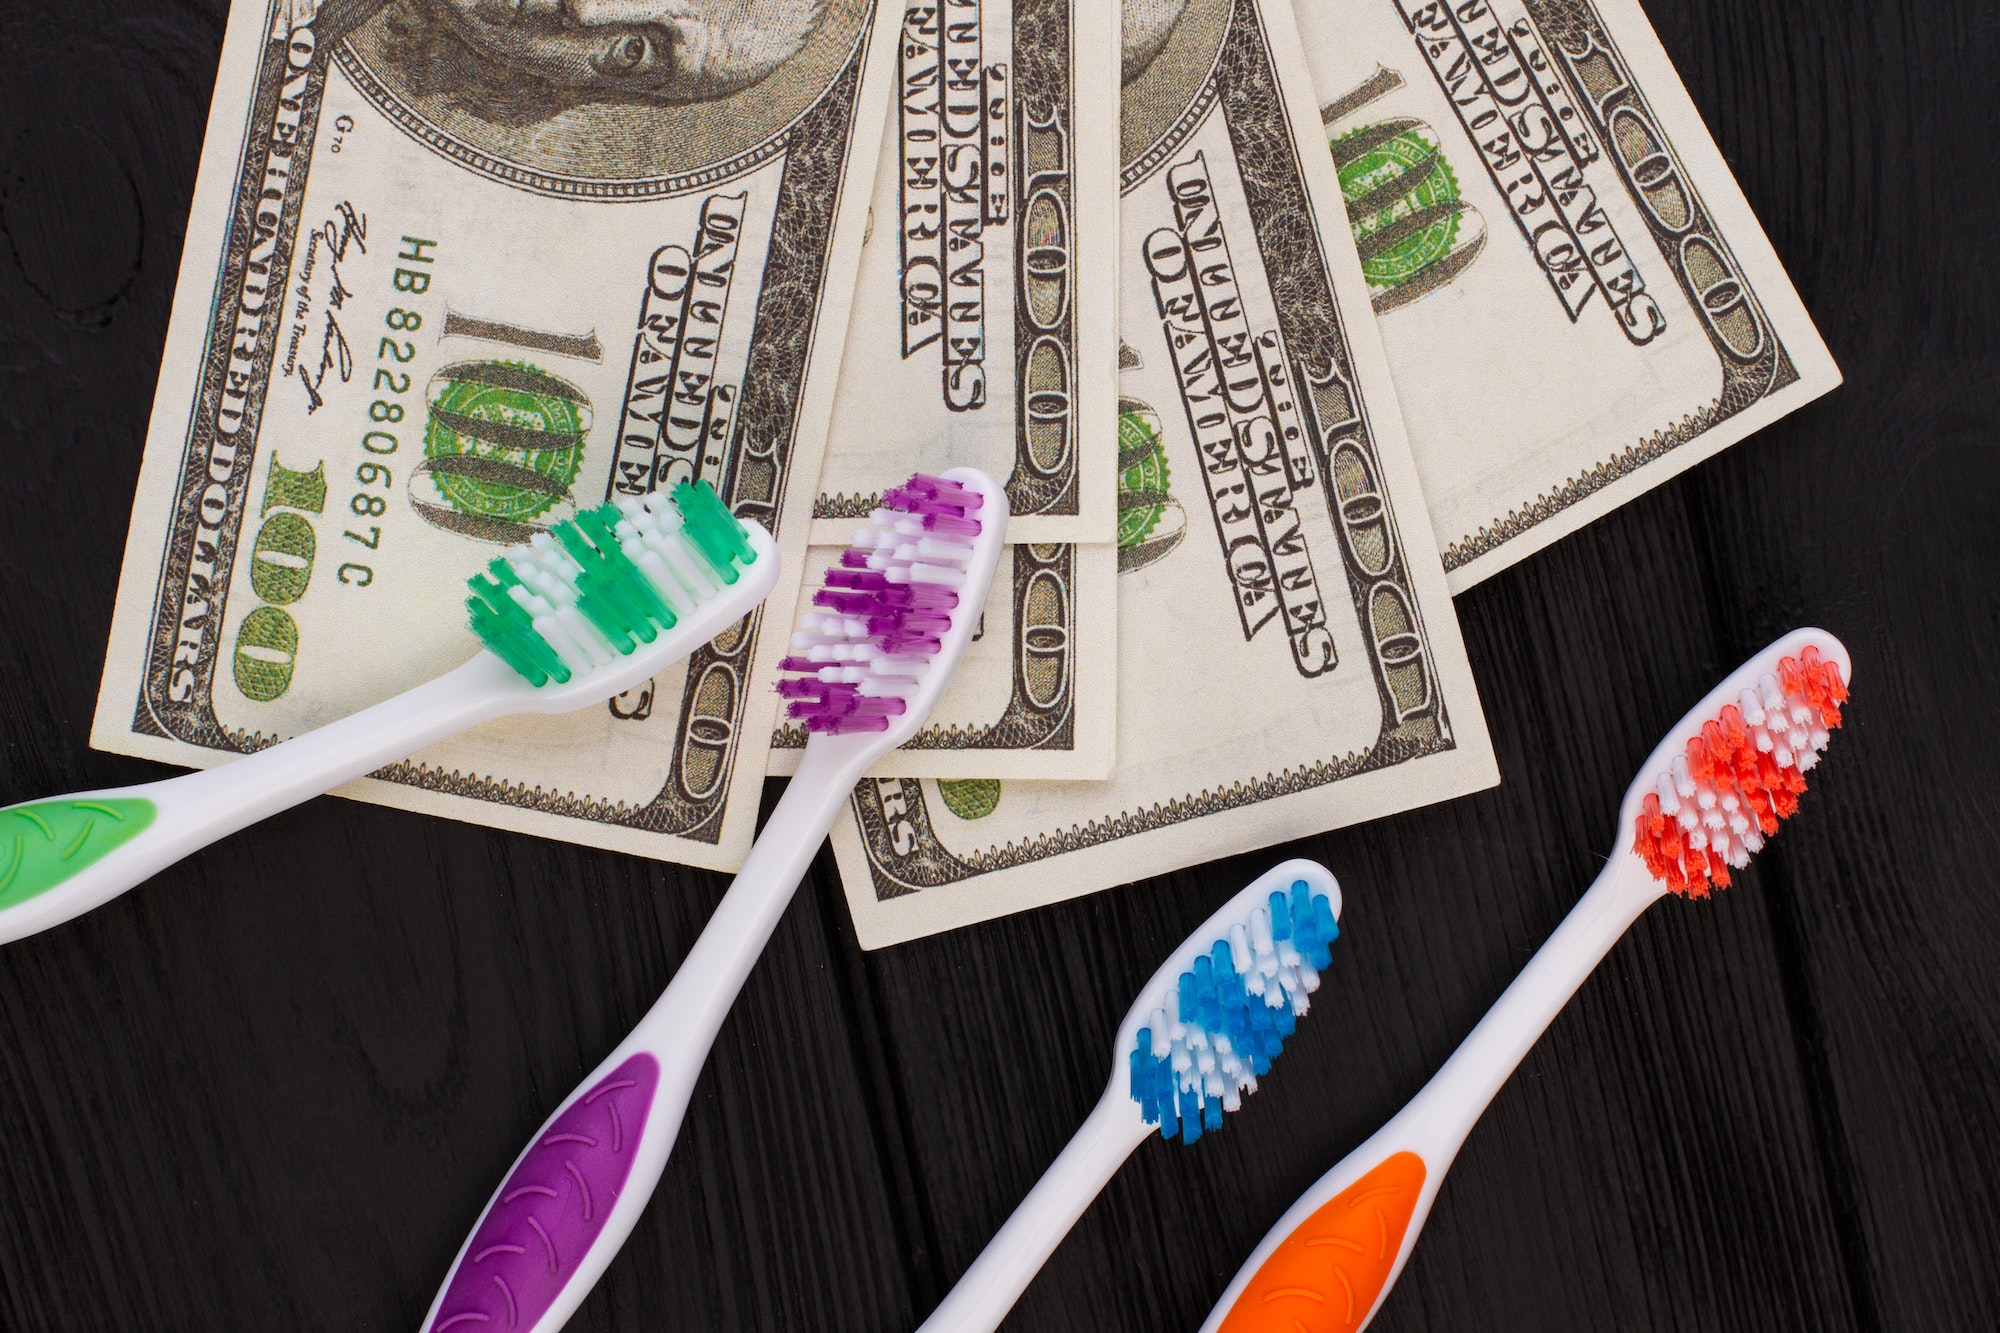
point(1326, 1275)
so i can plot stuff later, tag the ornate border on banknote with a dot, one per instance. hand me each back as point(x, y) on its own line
point(175, 699)
point(908, 857)
point(1602, 86)
point(1041, 710)
point(1044, 480)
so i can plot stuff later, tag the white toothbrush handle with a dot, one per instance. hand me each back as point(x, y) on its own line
point(1332, 1258)
point(989, 1288)
point(63, 856)
point(577, 1190)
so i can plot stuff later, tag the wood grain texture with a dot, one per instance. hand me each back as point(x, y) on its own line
point(273, 1089)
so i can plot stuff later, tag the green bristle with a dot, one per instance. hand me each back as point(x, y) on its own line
point(509, 631)
point(621, 580)
point(712, 529)
point(611, 592)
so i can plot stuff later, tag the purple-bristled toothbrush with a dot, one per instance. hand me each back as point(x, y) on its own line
point(870, 661)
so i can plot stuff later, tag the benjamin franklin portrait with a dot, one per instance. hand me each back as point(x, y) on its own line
point(549, 93)
point(1168, 50)
point(520, 61)
point(1144, 26)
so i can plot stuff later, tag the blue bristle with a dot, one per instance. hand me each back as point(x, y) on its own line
point(1142, 1080)
point(1263, 1030)
point(1190, 1115)
point(1325, 929)
point(1204, 994)
point(1170, 1121)
point(1281, 917)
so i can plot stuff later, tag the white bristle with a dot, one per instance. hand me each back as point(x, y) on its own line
point(1748, 705)
point(1239, 948)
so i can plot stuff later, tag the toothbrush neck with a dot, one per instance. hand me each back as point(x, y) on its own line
point(1459, 1092)
point(697, 1000)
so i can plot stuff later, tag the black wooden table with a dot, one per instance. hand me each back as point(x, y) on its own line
point(273, 1089)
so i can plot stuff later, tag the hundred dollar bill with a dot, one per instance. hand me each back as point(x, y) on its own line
point(1575, 298)
point(1034, 696)
point(984, 335)
point(455, 270)
point(1289, 657)
point(985, 315)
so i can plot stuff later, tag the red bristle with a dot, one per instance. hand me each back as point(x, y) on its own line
point(1735, 736)
point(1823, 687)
point(1646, 837)
point(1772, 779)
point(1696, 861)
point(1697, 757)
point(1751, 784)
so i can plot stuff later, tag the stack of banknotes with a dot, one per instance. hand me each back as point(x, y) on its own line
point(1282, 321)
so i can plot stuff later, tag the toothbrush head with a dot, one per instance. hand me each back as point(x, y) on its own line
point(886, 631)
point(1735, 766)
point(1212, 1020)
point(608, 598)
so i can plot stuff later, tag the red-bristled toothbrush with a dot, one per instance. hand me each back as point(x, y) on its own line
point(1705, 801)
point(870, 660)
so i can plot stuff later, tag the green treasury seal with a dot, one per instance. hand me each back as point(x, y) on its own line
point(1401, 197)
point(503, 446)
point(1143, 496)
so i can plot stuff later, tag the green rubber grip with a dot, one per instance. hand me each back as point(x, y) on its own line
point(44, 843)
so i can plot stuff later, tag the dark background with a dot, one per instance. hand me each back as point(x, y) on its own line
point(274, 1088)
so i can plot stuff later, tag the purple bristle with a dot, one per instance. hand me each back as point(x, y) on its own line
point(885, 610)
point(951, 525)
point(909, 622)
point(920, 597)
point(946, 491)
point(866, 580)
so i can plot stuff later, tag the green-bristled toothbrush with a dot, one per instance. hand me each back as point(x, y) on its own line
point(582, 612)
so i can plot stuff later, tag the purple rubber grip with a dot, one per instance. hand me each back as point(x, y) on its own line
point(552, 1206)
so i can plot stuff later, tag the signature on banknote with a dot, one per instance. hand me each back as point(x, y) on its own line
point(326, 247)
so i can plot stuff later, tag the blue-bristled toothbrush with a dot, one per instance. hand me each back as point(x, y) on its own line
point(583, 612)
point(1704, 803)
point(867, 666)
point(1200, 1035)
